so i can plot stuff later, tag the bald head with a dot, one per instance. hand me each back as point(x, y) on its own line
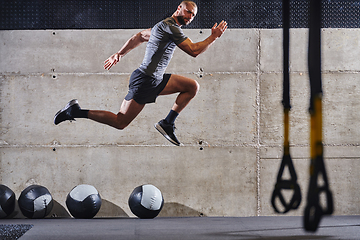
point(189, 2)
point(185, 12)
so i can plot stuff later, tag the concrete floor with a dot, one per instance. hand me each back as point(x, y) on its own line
point(271, 228)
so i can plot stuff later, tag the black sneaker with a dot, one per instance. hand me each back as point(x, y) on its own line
point(67, 112)
point(167, 130)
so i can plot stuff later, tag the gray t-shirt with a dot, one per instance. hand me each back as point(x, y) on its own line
point(164, 37)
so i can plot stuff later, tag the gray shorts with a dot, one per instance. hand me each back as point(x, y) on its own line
point(145, 89)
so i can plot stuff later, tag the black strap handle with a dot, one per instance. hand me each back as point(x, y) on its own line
point(314, 210)
point(290, 184)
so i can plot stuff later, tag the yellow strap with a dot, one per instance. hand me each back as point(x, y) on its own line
point(286, 132)
point(316, 148)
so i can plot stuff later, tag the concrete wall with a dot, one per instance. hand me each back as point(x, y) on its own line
point(231, 132)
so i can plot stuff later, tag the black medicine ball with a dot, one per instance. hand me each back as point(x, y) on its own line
point(7, 201)
point(83, 201)
point(146, 201)
point(35, 202)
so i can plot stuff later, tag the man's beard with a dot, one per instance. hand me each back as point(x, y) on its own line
point(181, 20)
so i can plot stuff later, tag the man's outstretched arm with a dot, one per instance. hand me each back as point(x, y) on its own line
point(130, 44)
point(194, 49)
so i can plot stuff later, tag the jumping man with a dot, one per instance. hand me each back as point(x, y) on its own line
point(150, 80)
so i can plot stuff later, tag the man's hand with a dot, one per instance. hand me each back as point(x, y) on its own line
point(111, 61)
point(194, 49)
point(218, 30)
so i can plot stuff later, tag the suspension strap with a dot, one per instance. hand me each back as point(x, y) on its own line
point(314, 210)
point(286, 184)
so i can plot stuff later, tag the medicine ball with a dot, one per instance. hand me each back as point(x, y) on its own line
point(35, 202)
point(7, 201)
point(146, 201)
point(83, 201)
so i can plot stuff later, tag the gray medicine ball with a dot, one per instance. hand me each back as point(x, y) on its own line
point(146, 201)
point(35, 201)
point(83, 201)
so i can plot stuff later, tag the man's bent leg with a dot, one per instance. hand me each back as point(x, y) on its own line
point(128, 112)
point(187, 89)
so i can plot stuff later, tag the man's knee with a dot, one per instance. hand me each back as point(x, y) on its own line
point(195, 88)
point(120, 126)
point(128, 112)
point(120, 123)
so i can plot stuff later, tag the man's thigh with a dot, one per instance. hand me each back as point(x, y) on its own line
point(178, 83)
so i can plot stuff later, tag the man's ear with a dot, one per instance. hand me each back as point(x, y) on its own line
point(179, 7)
